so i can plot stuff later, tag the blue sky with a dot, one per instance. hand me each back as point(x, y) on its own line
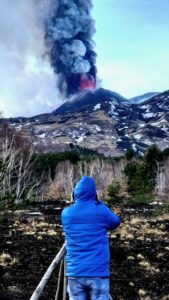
point(132, 43)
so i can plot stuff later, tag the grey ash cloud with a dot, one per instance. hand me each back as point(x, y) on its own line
point(69, 32)
point(28, 85)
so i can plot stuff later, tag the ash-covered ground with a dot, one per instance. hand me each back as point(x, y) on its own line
point(139, 256)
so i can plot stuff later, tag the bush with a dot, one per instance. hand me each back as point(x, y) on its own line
point(130, 154)
point(47, 162)
point(140, 178)
point(113, 192)
point(141, 199)
point(161, 210)
point(7, 201)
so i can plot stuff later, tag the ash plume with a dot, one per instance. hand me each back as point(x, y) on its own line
point(28, 85)
point(69, 31)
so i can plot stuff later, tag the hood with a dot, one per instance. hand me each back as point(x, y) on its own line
point(85, 189)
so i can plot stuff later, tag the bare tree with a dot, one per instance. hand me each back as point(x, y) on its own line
point(16, 155)
point(67, 174)
point(166, 174)
point(160, 180)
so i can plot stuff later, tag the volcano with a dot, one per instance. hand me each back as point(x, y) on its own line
point(87, 82)
point(100, 120)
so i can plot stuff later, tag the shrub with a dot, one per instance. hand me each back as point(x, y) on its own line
point(130, 154)
point(141, 199)
point(161, 210)
point(140, 178)
point(113, 192)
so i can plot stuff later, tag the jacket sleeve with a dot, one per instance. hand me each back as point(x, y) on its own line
point(113, 221)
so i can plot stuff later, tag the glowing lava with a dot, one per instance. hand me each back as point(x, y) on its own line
point(87, 82)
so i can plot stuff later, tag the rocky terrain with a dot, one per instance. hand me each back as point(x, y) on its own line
point(139, 255)
point(103, 121)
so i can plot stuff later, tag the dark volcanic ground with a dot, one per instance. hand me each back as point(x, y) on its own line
point(139, 251)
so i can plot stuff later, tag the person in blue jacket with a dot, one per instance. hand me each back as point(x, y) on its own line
point(86, 224)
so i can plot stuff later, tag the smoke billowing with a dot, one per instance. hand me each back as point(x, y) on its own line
point(69, 31)
point(28, 85)
point(45, 48)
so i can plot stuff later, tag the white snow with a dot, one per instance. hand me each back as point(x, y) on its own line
point(81, 138)
point(134, 147)
point(36, 213)
point(144, 106)
point(42, 136)
point(112, 107)
point(97, 106)
point(19, 127)
point(148, 142)
point(147, 108)
point(96, 127)
point(141, 153)
point(156, 123)
point(165, 128)
point(156, 203)
point(148, 115)
point(137, 136)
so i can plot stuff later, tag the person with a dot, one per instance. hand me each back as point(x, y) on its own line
point(86, 224)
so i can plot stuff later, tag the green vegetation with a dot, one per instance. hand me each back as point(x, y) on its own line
point(141, 174)
point(129, 154)
point(23, 172)
point(161, 210)
point(113, 192)
point(140, 178)
point(6, 199)
point(141, 199)
point(47, 162)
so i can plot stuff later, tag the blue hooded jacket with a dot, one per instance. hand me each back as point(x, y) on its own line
point(85, 225)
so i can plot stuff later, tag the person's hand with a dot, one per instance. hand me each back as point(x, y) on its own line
point(117, 210)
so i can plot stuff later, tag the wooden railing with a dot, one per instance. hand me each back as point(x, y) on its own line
point(62, 279)
point(40, 288)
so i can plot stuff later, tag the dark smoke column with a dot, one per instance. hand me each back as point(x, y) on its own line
point(69, 32)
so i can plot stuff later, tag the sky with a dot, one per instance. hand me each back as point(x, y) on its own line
point(132, 43)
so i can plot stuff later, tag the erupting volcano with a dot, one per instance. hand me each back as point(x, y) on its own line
point(87, 82)
point(69, 31)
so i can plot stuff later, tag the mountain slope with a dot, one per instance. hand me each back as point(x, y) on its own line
point(102, 121)
point(142, 98)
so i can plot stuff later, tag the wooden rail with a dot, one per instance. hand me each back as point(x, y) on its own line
point(37, 293)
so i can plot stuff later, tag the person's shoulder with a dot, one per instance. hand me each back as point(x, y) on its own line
point(100, 202)
point(67, 209)
point(102, 205)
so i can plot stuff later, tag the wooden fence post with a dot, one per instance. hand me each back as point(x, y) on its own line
point(37, 293)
